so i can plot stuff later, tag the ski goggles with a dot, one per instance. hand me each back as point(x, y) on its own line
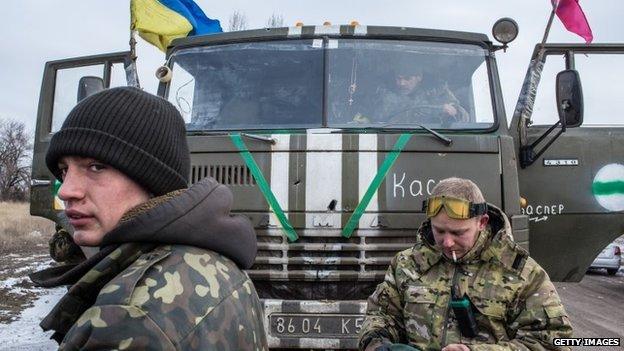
point(454, 207)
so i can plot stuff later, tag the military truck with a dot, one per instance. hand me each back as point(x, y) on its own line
point(309, 128)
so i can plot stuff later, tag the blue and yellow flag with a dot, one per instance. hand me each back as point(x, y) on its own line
point(161, 21)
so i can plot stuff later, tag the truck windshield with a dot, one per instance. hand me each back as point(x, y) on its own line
point(369, 84)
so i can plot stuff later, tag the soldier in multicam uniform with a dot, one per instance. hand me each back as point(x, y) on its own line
point(465, 253)
point(412, 101)
point(168, 273)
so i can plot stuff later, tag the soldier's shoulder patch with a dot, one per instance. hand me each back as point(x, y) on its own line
point(405, 254)
point(405, 259)
point(530, 265)
point(513, 257)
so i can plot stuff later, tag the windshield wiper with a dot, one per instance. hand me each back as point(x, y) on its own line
point(389, 127)
point(270, 140)
point(260, 137)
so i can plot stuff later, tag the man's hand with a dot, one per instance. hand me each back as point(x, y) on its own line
point(450, 110)
point(456, 347)
point(360, 118)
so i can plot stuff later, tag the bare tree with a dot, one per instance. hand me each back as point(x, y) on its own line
point(275, 21)
point(14, 157)
point(238, 21)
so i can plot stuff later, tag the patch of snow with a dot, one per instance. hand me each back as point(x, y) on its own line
point(25, 333)
point(41, 265)
point(9, 282)
point(22, 272)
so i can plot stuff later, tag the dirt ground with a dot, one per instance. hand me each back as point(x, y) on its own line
point(596, 305)
point(17, 291)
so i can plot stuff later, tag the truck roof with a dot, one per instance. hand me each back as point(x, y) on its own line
point(332, 31)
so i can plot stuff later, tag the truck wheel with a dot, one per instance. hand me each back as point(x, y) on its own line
point(611, 271)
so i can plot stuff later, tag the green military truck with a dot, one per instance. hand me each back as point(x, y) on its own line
point(310, 130)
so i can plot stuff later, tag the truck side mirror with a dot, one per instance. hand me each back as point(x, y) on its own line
point(89, 85)
point(570, 107)
point(569, 98)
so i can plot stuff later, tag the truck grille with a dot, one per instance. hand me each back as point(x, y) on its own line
point(232, 175)
point(327, 256)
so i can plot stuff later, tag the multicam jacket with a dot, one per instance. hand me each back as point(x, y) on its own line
point(515, 304)
point(167, 278)
point(423, 105)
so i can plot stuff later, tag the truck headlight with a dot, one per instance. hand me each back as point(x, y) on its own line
point(505, 30)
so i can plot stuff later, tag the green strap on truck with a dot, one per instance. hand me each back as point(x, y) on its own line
point(264, 186)
point(347, 231)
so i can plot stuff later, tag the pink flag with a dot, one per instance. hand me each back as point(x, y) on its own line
point(573, 18)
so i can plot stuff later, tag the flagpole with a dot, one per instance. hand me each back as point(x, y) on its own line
point(132, 45)
point(526, 100)
point(132, 76)
point(547, 31)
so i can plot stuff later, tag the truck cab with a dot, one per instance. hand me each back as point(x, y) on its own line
point(330, 138)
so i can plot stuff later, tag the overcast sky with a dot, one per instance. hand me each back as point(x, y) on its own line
point(36, 31)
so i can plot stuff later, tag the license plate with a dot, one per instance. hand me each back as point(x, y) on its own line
point(315, 325)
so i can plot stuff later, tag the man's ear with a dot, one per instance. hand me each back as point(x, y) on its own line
point(483, 221)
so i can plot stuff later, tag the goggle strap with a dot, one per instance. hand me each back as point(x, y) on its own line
point(478, 209)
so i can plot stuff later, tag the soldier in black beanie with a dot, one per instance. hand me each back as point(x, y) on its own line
point(168, 271)
point(140, 134)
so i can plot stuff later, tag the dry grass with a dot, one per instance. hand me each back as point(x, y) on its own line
point(19, 230)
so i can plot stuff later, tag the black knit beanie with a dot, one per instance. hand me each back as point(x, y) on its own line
point(140, 134)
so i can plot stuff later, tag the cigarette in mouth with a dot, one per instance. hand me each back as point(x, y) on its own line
point(454, 256)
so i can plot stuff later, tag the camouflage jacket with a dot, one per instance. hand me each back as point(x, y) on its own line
point(421, 106)
point(167, 279)
point(515, 304)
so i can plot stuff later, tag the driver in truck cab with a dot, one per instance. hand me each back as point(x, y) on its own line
point(465, 284)
point(415, 99)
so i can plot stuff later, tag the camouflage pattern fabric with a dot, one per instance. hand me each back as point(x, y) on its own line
point(173, 298)
point(88, 279)
point(421, 106)
point(516, 305)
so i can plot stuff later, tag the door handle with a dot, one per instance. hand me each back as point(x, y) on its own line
point(39, 182)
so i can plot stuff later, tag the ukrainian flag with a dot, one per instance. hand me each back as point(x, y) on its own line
point(161, 21)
